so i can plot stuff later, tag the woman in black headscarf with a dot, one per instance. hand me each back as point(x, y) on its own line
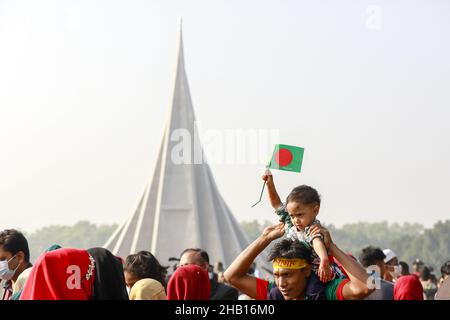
point(109, 281)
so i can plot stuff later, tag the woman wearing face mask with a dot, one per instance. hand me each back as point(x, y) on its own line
point(14, 259)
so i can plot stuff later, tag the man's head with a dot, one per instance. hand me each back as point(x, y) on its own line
point(404, 268)
point(292, 267)
point(196, 256)
point(417, 265)
point(371, 257)
point(303, 205)
point(219, 267)
point(425, 273)
point(391, 257)
point(14, 254)
point(445, 270)
point(392, 267)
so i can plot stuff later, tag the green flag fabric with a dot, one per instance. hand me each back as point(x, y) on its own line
point(287, 158)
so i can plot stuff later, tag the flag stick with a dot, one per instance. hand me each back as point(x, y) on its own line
point(260, 196)
point(264, 184)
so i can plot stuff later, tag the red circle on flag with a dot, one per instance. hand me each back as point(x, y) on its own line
point(283, 157)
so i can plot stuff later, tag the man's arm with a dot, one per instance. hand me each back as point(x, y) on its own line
point(356, 288)
point(274, 198)
point(236, 273)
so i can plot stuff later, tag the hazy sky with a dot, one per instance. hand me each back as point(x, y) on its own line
point(363, 86)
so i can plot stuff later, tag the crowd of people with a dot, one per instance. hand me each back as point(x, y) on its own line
point(307, 265)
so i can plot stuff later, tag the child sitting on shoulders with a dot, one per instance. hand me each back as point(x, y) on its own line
point(299, 214)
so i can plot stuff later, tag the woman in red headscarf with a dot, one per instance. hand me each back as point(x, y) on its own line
point(189, 282)
point(63, 274)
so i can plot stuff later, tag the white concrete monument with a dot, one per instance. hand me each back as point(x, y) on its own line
point(181, 206)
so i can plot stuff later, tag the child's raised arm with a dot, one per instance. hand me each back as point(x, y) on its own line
point(274, 198)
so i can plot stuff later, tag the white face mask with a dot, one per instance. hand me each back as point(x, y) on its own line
point(6, 273)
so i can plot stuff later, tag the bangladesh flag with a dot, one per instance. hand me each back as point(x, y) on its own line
point(287, 158)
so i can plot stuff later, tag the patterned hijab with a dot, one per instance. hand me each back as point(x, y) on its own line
point(109, 281)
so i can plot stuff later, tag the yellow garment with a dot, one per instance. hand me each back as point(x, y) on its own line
point(148, 289)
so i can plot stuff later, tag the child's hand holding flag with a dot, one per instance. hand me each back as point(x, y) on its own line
point(267, 176)
point(284, 157)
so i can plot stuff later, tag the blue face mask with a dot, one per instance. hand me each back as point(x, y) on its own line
point(6, 273)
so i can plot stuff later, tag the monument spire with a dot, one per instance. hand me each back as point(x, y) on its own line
point(181, 206)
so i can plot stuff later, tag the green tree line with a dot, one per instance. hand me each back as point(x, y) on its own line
point(83, 235)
